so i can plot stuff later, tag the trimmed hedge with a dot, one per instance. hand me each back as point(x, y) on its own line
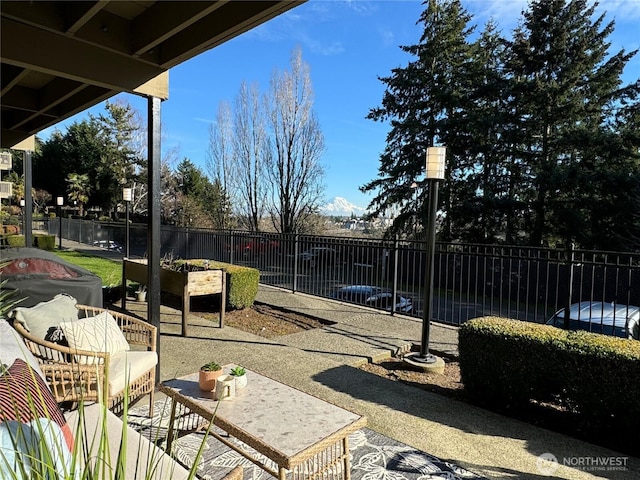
point(45, 242)
point(242, 283)
point(507, 363)
point(15, 240)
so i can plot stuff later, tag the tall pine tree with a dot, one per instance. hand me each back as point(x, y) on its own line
point(421, 102)
point(542, 137)
point(565, 91)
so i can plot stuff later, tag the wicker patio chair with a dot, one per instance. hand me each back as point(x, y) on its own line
point(75, 375)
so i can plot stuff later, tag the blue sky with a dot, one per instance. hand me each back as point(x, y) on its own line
point(348, 45)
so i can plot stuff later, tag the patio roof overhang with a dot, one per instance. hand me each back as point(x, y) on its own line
point(62, 57)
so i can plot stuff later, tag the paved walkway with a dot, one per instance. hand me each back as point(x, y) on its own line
point(323, 362)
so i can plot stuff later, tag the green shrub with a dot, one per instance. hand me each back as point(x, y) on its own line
point(492, 351)
point(15, 240)
point(507, 363)
point(242, 283)
point(45, 242)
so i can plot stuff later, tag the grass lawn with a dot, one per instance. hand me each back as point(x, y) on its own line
point(110, 271)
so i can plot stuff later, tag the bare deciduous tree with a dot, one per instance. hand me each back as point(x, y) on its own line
point(250, 149)
point(296, 145)
point(221, 165)
point(268, 160)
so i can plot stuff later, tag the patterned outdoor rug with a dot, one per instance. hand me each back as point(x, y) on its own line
point(373, 456)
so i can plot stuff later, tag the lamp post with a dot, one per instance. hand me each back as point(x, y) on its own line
point(434, 172)
point(22, 204)
point(59, 202)
point(127, 196)
point(414, 186)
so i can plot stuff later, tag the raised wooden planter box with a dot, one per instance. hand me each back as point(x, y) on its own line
point(183, 284)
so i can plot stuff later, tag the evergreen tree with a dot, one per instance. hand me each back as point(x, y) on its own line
point(565, 90)
point(101, 147)
point(539, 129)
point(192, 181)
point(422, 101)
point(76, 151)
point(480, 182)
point(218, 206)
point(119, 160)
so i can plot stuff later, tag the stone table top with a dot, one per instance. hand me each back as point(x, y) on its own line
point(267, 413)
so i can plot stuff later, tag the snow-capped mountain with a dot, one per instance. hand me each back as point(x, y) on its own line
point(343, 208)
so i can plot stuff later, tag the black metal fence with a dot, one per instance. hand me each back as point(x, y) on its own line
point(470, 280)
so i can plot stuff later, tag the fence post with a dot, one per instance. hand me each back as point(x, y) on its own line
point(186, 243)
point(567, 304)
point(295, 263)
point(394, 290)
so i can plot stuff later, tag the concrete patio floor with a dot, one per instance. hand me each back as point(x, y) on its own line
point(323, 362)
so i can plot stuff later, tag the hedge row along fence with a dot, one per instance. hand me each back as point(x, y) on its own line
point(507, 364)
point(42, 241)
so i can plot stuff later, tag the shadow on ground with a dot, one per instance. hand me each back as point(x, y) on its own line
point(468, 422)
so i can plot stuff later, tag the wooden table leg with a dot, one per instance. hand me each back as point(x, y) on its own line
point(172, 420)
point(345, 453)
point(186, 306)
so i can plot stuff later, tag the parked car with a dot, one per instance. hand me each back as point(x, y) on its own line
point(318, 257)
point(108, 244)
point(373, 297)
point(598, 317)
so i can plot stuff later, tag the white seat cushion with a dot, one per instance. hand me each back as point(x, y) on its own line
point(141, 457)
point(129, 365)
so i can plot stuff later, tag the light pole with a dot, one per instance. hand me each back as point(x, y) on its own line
point(434, 172)
point(59, 202)
point(24, 225)
point(127, 196)
point(414, 186)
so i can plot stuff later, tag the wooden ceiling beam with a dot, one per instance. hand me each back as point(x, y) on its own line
point(78, 14)
point(11, 76)
point(230, 20)
point(164, 19)
point(98, 66)
point(86, 97)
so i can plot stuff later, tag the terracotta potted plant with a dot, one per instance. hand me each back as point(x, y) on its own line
point(240, 376)
point(208, 374)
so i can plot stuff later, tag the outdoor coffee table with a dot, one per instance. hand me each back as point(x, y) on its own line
point(298, 432)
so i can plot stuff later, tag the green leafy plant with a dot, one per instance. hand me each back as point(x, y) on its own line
point(237, 371)
point(39, 454)
point(211, 367)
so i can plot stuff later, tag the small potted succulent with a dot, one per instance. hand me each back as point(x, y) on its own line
point(240, 375)
point(209, 372)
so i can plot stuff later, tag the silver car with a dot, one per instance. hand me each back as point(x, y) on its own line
point(373, 297)
point(598, 317)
